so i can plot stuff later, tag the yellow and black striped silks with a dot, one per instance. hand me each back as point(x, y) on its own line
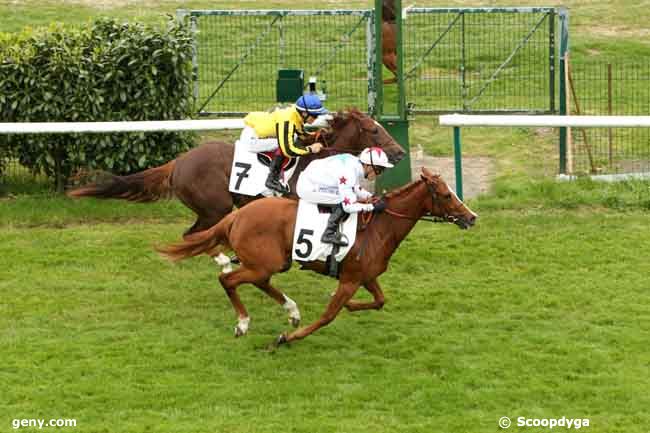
point(283, 124)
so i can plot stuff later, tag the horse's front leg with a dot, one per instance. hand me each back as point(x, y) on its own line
point(378, 298)
point(343, 294)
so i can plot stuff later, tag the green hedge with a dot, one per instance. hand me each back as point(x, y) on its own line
point(106, 71)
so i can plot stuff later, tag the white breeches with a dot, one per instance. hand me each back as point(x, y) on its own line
point(256, 144)
point(318, 193)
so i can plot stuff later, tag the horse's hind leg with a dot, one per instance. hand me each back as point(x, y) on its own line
point(230, 282)
point(287, 303)
point(340, 298)
point(205, 221)
point(376, 304)
point(390, 61)
point(209, 209)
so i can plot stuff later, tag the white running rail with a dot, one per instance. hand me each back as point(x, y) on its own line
point(548, 121)
point(103, 127)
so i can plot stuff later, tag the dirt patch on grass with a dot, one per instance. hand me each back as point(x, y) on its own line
point(478, 172)
point(617, 32)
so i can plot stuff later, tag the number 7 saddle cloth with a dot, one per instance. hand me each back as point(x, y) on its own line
point(310, 225)
point(250, 170)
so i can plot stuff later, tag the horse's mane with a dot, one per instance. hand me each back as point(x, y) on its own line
point(340, 119)
point(343, 117)
point(408, 187)
point(403, 190)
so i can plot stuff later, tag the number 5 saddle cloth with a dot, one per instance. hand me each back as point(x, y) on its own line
point(310, 225)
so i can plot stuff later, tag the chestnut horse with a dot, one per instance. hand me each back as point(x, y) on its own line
point(200, 177)
point(389, 39)
point(261, 234)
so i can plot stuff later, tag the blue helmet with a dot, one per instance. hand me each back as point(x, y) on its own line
point(311, 104)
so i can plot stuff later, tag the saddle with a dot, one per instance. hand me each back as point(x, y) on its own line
point(265, 159)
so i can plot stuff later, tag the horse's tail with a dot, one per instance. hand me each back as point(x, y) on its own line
point(145, 186)
point(200, 242)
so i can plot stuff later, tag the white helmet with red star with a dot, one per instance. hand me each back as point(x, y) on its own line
point(375, 156)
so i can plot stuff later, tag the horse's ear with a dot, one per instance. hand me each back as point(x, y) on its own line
point(426, 174)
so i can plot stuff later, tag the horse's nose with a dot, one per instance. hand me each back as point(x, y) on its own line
point(472, 219)
point(397, 157)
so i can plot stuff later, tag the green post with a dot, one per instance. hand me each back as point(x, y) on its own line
point(459, 162)
point(396, 123)
point(379, 84)
point(551, 60)
point(401, 173)
point(564, 51)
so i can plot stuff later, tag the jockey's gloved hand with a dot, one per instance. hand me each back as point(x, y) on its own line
point(316, 147)
point(321, 121)
point(380, 206)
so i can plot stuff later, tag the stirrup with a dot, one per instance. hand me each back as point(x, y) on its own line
point(276, 186)
point(335, 239)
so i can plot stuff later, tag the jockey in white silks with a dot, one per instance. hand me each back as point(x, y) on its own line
point(334, 181)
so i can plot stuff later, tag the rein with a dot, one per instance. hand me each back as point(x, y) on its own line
point(427, 218)
point(322, 137)
point(366, 218)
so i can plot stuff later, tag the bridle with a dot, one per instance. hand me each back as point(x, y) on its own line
point(446, 218)
point(366, 217)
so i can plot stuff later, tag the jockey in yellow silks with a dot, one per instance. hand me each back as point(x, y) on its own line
point(281, 130)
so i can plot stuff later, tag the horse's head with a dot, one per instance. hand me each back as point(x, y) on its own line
point(355, 131)
point(444, 203)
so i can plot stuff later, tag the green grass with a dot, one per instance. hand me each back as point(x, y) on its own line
point(51, 209)
point(532, 313)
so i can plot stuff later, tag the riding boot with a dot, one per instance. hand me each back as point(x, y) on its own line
point(332, 234)
point(273, 180)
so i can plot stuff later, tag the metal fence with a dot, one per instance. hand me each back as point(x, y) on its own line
point(455, 59)
point(239, 53)
point(610, 89)
point(482, 59)
point(15, 177)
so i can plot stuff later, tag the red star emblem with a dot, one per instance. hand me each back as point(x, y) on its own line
point(342, 180)
point(346, 201)
point(378, 150)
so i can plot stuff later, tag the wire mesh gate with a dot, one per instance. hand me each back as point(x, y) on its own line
point(609, 89)
point(455, 59)
point(480, 59)
point(239, 53)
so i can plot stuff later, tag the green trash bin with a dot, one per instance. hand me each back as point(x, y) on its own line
point(290, 85)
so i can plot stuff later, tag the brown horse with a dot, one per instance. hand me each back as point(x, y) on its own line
point(200, 177)
point(261, 234)
point(389, 39)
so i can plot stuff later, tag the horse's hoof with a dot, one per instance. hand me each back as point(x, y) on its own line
point(242, 326)
point(282, 339)
point(295, 321)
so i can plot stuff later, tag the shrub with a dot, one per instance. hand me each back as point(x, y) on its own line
point(106, 71)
